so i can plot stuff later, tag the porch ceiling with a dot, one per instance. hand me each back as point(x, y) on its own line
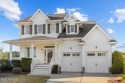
point(36, 39)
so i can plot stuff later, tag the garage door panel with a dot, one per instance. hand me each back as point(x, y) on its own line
point(96, 63)
point(71, 63)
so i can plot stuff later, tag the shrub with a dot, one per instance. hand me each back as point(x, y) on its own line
point(16, 63)
point(25, 64)
point(117, 63)
point(6, 66)
point(17, 70)
point(55, 69)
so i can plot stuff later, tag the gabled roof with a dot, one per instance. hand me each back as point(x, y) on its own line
point(57, 16)
point(73, 17)
point(36, 13)
point(25, 19)
point(86, 27)
point(50, 16)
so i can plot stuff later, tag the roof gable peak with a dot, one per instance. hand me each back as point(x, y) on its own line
point(36, 13)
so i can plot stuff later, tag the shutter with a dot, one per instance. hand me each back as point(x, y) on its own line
point(75, 28)
point(30, 29)
point(35, 27)
point(48, 28)
point(57, 27)
point(68, 29)
point(22, 29)
point(44, 29)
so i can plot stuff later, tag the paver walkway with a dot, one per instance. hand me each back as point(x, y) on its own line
point(79, 78)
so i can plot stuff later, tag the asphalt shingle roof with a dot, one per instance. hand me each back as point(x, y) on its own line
point(82, 31)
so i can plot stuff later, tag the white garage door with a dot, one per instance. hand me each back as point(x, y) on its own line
point(71, 62)
point(96, 62)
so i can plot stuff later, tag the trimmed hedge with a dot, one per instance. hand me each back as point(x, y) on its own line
point(16, 63)
point(55, 69)
point(17, 70)
point(6, 66)
point(25, 64)
point(117, 63)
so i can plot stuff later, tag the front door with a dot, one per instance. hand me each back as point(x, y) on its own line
point(49, 54)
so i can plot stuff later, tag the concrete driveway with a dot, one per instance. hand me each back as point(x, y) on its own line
point(79, 78)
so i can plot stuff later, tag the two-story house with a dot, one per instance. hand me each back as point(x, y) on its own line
point(76, 46)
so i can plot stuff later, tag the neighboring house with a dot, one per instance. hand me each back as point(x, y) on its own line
point(75, 45)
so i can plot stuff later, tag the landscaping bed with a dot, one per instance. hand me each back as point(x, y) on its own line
point(8, 77)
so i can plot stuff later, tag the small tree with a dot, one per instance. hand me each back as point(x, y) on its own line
point(117, 63)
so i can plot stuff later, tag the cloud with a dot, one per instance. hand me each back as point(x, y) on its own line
point(60, 10)
point(10, 9)
point(74, 11)
point(110, 31)
point(80, 16)
point(111, 20)
point(121, 45)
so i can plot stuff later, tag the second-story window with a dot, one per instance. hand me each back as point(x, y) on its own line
point(27, 30)
point(40, 28)
point(53, 28)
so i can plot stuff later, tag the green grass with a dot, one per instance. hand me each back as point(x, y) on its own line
point(24, 79)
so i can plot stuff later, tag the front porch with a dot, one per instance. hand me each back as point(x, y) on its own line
point(44, 52)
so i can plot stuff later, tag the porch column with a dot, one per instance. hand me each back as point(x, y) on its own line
point(10, 52)
point(56, 54)
point(32, 51)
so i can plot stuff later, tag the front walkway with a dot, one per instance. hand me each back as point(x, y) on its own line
point(79, 78)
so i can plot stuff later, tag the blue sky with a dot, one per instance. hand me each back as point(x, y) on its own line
point(109, 14)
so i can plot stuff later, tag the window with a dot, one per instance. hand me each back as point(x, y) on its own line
point(27, 51)
point(26, 30)
point(101, 54)
point(52, 28)
point(40, 28)
point(72, 29)
point(91, 54)
point(67, 54)
point(76, 54)
point(34, 51)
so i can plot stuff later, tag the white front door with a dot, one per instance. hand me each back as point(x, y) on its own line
point(96, 62)
point(71, 62)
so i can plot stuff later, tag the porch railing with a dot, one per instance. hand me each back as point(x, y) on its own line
point(33, 63)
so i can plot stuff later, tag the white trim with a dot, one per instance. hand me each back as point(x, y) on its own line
point(36, 13)
point(65, 16)
point(96, 26)
point(72, 16)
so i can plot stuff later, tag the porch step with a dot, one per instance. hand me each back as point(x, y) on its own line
point(41, 69)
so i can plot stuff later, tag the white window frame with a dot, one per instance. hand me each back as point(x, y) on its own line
point(27, 54)
point(25, 30)
point(70, 30)
point(38, 28)
point(52, 28)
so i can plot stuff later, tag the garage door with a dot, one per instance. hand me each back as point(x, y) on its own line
point(71, 62)
point(96, 62)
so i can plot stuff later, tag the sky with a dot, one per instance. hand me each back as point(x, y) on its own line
point(109, 15)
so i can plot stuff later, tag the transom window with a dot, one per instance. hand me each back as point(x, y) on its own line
point(53, 28)
point(101, 54)
point(90, 54)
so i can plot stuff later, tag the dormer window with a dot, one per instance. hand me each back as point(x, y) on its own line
point(72, 29)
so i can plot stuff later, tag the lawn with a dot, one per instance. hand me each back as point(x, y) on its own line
point(12, 78)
